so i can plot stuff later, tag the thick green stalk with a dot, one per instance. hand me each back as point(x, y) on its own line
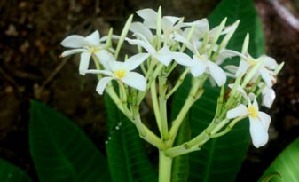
point(165, 165)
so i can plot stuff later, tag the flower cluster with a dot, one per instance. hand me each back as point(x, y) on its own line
point(165, 42)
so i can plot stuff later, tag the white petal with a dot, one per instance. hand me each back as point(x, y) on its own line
point(265, 119)
point(164, 56)
point(183, 40)
point(198, 68)
point(268, 97)
point(240, 110)
point(267, 76)
point(116, 65)
point(258, 132)
point(102, 84)
point(232, 69)
point(182, 58)
point(93, 38)
point(135, 80)
point(149, 16)
point(138, 27)
point(242, 68)
point(70, 52)
point(95, 71)
point(200, 25)
point(217, 73)
point(134, 61)
point(143, 43)
point(73, 41)
point(104, 57)
point(84, 63)
point(168, 22)
point(224, 54)
point(269, 62)
point(172, 19)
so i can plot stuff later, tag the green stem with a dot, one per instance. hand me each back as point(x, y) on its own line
point(156, 105)
point(163, 107)
point(165, 164)
point(194, 94)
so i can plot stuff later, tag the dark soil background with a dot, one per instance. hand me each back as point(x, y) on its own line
point(30, 33)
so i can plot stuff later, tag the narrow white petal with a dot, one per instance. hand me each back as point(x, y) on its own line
point(242, 68)
point(73, 41)
point(182, 58)
point(168, 22)
point(183, 40)
point(198, 68)
point(116, 65)
point(149, 16)
point(164, 56)
point(240, 110)
point(217, 73)
point(268, 97)
point(95, 71)
point(138, 27)
point(232, 69)
point(134, 61)
point(200, 27)
point(259, 134)
point(265, 120)
point(269, 62)
point(225, 54)
point(70, 52)
point(102, 84)
point(84, 62)
point(104, 57)
point(135, 80)
point(172, 19)
point(93, 38)
point(143, 43)
point(267, 76)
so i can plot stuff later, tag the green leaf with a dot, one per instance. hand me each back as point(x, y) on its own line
point(11, 173)
point(221, 158)
point(285, 167)
point(126, 151)
point(60, 149)
point(243, 10)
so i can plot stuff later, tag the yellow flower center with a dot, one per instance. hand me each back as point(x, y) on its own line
point(253, 112)
point(93, 50)
point(120, 73)
point(252, 62)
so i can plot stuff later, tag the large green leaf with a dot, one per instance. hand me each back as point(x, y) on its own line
point(60, 150)
point(11, 173)
point(126, 151)
point(285, 167)
point(221, 158)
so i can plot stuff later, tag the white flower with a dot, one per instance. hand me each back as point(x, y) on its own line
point(169, 24)
point(266, 66)
point(259, 122)
point(122, 71)
point(164, 55)
point(86, 46)
point(202, 64)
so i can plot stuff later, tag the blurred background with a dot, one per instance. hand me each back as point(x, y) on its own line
point(30, 33)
